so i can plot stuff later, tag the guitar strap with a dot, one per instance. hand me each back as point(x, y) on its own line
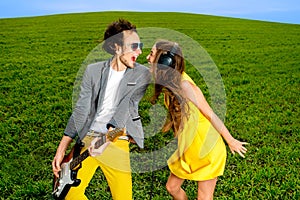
point(77, 147)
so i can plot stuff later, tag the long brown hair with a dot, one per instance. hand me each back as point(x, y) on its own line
point(168, 82)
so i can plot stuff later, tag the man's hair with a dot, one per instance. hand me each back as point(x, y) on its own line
point(114, 34)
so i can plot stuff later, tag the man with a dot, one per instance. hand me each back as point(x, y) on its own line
point(109, 97)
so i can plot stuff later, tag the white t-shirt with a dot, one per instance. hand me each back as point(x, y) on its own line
point(108, 107)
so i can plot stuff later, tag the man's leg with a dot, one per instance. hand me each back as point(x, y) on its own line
point(120, 183)
point(118, 174)
point(85, 174)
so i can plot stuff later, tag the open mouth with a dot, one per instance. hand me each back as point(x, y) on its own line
point(133, 58)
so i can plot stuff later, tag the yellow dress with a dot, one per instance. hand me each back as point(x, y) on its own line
point(201, 152)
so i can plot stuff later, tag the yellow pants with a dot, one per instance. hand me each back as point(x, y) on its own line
point(115, 165)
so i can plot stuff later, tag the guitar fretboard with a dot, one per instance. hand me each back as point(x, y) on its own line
point(79, 159)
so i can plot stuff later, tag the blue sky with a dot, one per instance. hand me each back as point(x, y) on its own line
point(284, 11)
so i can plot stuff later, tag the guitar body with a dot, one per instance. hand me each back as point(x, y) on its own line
point(67, 177)
point(72, 163)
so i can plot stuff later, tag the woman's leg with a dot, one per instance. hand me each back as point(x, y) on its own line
point(206, 189)
point(174, 188)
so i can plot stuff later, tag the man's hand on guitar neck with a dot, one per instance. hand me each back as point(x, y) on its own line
point(96, 150)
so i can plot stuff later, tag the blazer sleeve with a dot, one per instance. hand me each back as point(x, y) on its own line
point(81, 111)
point(138, 93)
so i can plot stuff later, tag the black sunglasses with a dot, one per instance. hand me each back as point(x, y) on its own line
point(135, 46)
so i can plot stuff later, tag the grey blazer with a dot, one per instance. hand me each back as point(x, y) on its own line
point(131, 90)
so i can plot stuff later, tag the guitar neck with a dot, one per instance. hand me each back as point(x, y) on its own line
point(112, 135)
point(76, 161)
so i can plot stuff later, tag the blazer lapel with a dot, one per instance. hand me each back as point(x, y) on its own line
point(103, 83)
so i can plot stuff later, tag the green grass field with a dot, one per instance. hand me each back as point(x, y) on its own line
point(259, 63)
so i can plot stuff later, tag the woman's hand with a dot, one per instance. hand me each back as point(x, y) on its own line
point(237, 146)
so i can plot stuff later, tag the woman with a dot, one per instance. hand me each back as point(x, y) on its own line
point(201, 152)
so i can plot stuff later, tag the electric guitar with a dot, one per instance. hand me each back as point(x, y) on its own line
point(71, 164)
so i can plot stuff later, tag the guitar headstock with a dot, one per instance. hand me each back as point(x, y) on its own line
point(114, 134)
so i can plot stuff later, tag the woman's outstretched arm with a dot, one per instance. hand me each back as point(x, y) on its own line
point(195, 95)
